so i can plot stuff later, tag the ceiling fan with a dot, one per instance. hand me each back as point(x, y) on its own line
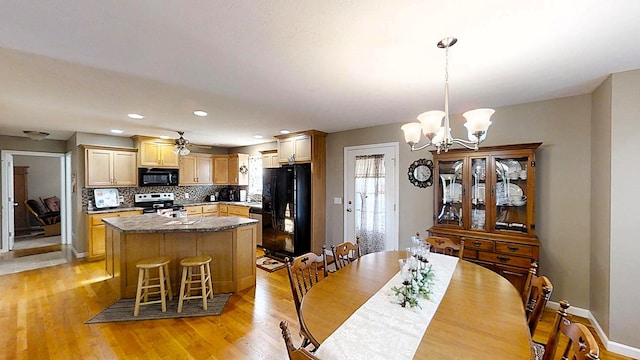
point(182, 145)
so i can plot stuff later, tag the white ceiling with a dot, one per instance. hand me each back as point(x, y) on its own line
point(260, 66)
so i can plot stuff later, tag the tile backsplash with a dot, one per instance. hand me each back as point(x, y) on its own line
point(196, 193)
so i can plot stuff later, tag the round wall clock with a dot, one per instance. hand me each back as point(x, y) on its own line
point(421, 173)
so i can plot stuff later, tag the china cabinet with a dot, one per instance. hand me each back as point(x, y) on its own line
point(487, 198)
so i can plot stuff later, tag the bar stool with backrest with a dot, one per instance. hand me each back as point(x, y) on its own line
point(303, 274)
point(152, 286)
point(200, 281)
point(446, 246)
point(345, 253)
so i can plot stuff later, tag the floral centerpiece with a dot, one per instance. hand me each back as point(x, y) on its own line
point(417, 281)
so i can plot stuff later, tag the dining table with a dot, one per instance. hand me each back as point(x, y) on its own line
point(479, 315)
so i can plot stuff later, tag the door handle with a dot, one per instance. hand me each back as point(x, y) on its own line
point(15, 204)
point(349, 210)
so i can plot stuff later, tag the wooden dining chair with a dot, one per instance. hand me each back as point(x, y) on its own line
point(294, 353)
point(304, 272)
point(535, 295)
point(446, 246)
point(580, 343)
point(345, 253)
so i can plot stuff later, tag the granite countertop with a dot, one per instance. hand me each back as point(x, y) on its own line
point(252, 204)
point(151, 223)
point(112, 210)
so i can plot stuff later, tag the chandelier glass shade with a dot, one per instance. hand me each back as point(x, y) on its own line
point(435, 126)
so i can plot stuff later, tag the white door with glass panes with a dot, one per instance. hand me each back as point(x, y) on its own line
point(371, 196)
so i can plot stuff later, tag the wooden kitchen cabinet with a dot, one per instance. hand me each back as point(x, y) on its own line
point(210, 210)
point(270, 159)
point(202, 210)
point(110, 167)
point(487, 198)
point(196, 169)
point(220, 169)
point(223, 210)
point(294, 148)
point(239, 169)
point(97, 240)
point(156, 153)
point(238, 210)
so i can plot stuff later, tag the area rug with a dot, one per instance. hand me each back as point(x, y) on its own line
point(269, 264)
point(122, 310)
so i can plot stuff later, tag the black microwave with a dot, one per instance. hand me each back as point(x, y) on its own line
point(157, 177)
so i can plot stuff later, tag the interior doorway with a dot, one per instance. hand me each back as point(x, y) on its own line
point(47, 177)
point(371, 196)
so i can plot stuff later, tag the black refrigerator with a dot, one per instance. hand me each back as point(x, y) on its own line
point(286, 210)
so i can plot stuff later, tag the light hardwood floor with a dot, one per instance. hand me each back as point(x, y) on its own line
point(42, 315)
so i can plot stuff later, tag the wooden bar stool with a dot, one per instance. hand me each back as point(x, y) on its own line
point(201, 280)
point(147, 284)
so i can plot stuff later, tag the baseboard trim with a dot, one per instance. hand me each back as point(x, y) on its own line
point(611, 346)
point(78, 255)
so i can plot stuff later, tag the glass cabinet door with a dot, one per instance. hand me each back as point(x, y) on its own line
point(511, 194)
point(478, 194)
point(450, 192)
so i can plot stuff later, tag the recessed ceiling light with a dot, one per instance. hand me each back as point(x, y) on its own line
point(136, 116)
point(117, 131)
point(200, 113)
point(258, 136)
point(284, 131)
point(164, 137)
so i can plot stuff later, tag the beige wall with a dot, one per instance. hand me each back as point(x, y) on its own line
point(601, 203)
point(563, 185)
point(625, 247)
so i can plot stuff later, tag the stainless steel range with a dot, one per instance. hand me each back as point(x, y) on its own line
point(153, 202)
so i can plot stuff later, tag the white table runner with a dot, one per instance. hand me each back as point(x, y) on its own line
point(382, 329)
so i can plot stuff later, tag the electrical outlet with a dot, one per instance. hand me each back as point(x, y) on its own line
point(186, 195)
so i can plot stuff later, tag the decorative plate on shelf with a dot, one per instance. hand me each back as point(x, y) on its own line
point(478, 193)
point(502, 196)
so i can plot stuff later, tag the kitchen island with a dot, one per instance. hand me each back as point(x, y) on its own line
point(229, 240)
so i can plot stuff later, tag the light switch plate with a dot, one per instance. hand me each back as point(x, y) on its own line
point(337, 200)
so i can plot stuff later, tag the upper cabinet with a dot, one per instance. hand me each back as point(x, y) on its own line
point(239, 169)
point(112, 167)
point(220, 169)
point(294, 148)
point(196, 169)
point(156, 153)
point(270, 159)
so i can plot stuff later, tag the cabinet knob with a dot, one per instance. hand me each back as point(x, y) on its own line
point(477, 243)
point(503, 258)
point(513, 248)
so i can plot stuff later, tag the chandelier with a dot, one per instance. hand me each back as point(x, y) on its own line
point(181, 145)
point(437, 131)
